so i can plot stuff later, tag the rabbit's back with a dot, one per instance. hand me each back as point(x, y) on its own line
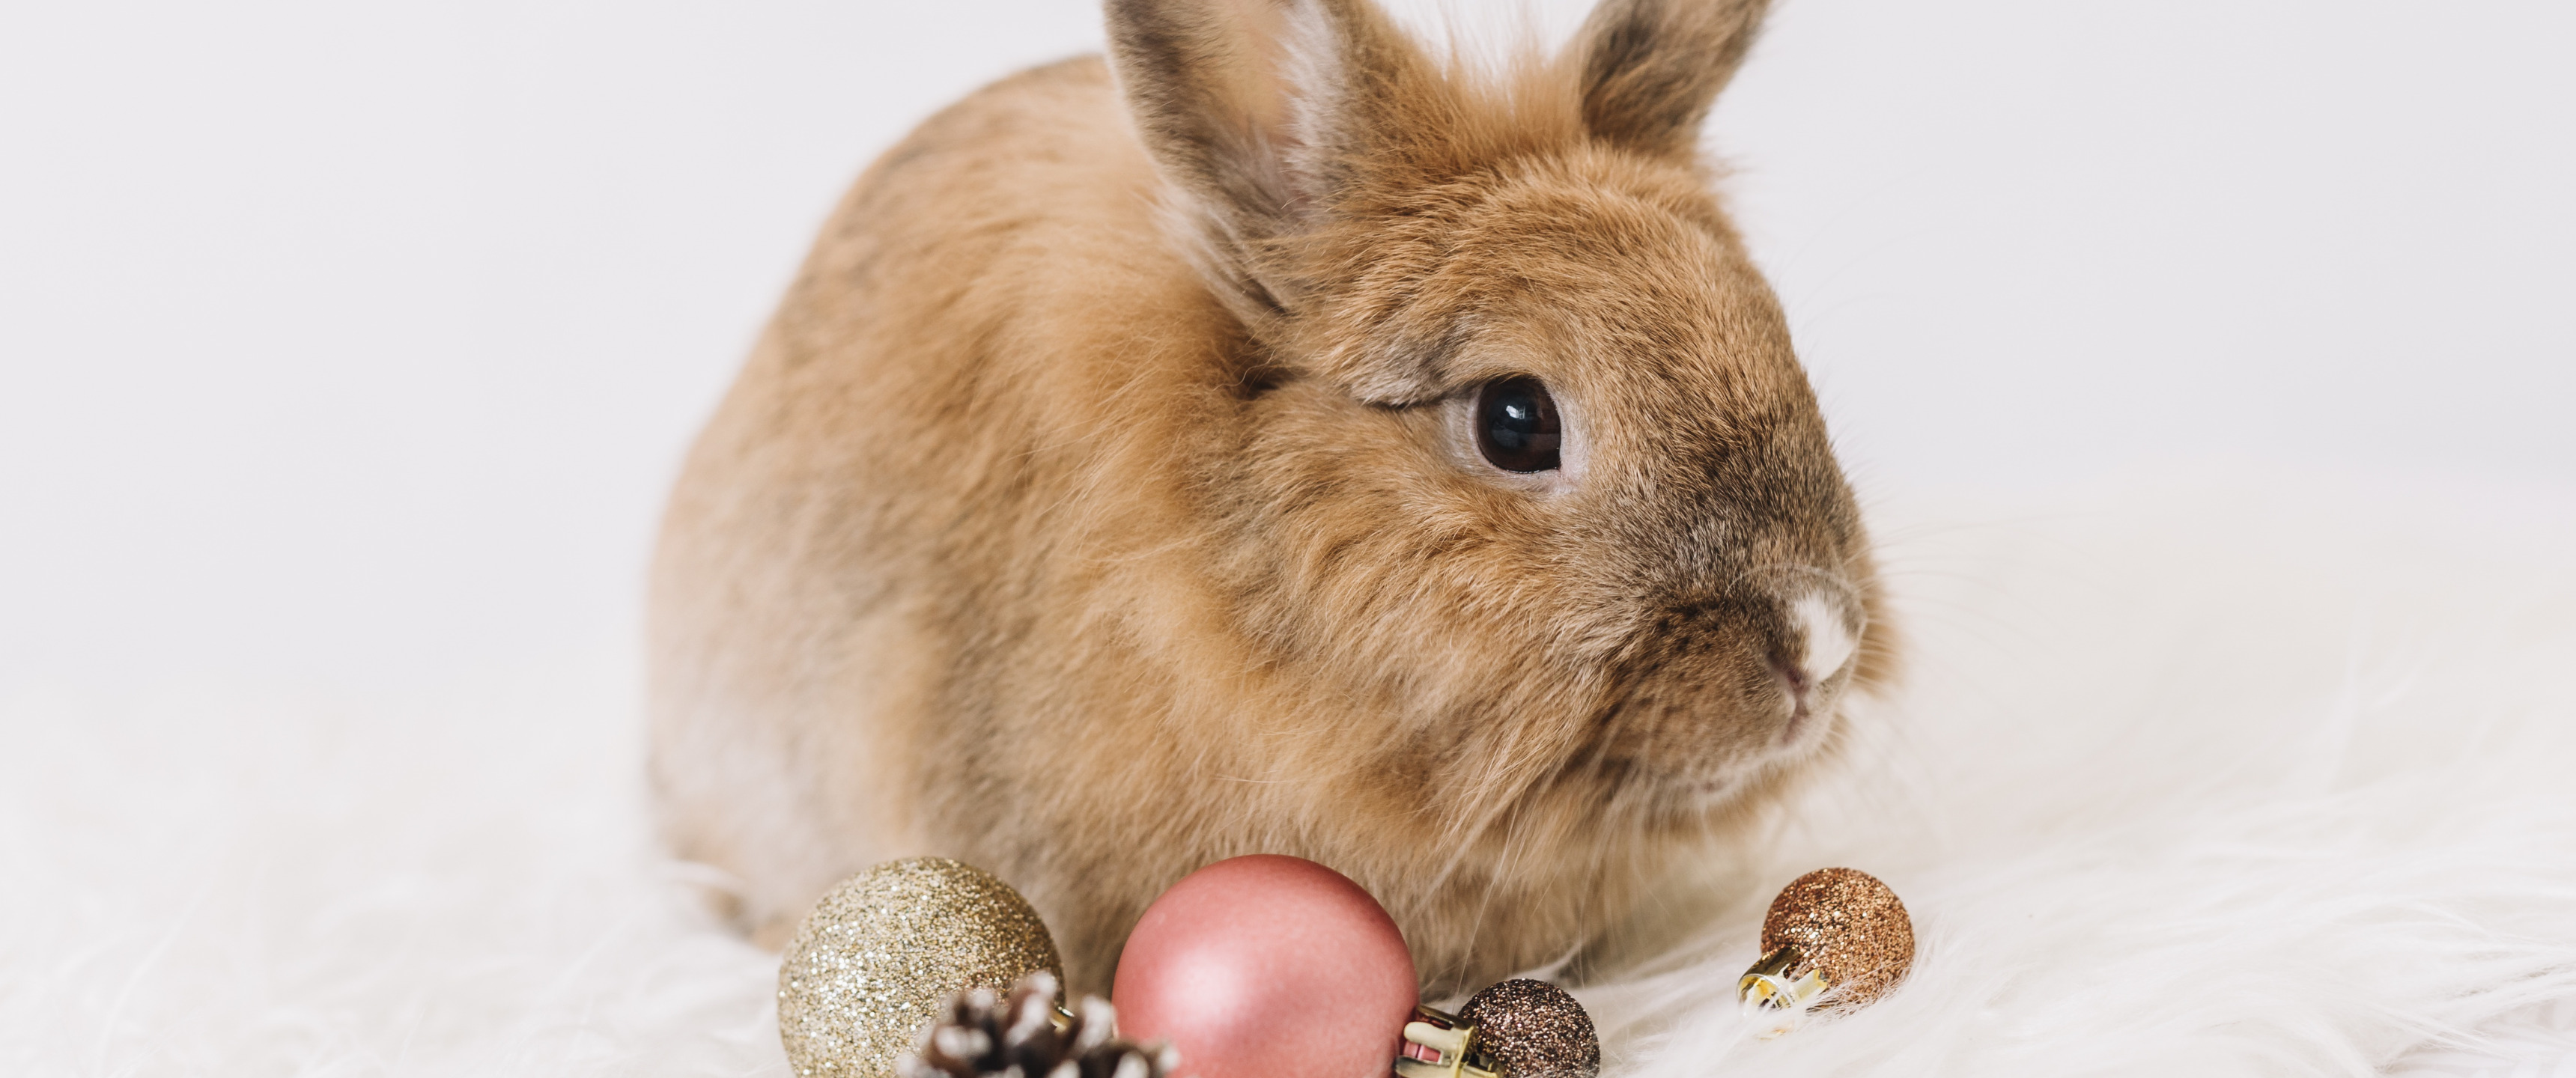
point(856, 550)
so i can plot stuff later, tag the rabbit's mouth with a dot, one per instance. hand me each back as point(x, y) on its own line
point(1696, 759)
point(1801, 725)
point(1811, 720)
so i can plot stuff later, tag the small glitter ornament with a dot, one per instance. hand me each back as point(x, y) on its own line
point(1834, 938)
point(1515, 1029)
point(871, 966)
point(1535, 1030)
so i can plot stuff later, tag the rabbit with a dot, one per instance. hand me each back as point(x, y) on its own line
point(1276, 437)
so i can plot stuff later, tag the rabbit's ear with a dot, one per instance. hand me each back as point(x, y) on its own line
point(1255, 110)
point(1651, 68)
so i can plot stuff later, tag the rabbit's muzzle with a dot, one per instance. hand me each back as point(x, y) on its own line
point(1721, 688)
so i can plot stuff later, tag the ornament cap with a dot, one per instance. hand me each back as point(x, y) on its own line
point(1781, 979)
point(1437, 1044)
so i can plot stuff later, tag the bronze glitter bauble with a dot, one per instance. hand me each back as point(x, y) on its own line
point(1533, 1029)
point(1846, 926)
point(880, 954)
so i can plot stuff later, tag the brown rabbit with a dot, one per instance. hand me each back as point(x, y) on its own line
point(1272, 440)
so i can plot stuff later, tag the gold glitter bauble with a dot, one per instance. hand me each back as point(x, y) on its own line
point(871, 966)
point(1533, 1029)
point(1846, 926)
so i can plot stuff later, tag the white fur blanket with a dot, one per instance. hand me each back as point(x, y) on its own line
point(2205, 778)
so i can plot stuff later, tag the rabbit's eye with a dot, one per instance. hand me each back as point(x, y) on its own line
point(1516, 425)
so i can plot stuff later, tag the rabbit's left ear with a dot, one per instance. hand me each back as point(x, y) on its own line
point(1652, 68)
point(1256, 111)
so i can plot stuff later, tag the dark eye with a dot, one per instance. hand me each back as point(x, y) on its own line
point(1516, 425)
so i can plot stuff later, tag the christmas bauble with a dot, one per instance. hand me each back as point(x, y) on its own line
point(1533, 1029)
point(1267, 967)
point(877, 958)
point(1835, 936)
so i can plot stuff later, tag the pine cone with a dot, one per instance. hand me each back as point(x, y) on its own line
point(1024, 1036)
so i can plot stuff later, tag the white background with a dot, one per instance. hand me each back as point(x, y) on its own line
point(348, 348)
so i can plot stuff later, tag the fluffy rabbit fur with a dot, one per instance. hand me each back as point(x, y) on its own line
point(1105, 499)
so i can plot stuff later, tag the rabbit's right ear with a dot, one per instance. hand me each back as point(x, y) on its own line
point(1652, 68)
point(1254, 111)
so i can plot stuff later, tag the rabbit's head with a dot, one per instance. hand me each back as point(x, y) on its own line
point(1526, 472)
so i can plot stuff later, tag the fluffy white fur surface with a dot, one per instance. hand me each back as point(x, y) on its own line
point(2202, 778)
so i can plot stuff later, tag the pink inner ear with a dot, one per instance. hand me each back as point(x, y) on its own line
point(1257, 78)
point(1275, 75)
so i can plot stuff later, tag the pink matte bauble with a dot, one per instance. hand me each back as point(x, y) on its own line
point(1268, 967)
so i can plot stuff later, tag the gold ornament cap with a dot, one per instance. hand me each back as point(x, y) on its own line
point(871, 966)
point(1438, 1044)
point(1834, 930)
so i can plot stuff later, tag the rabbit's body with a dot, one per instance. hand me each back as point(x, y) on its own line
point(1089, 515)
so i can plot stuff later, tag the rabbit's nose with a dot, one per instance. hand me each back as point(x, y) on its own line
point(1825, 644)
